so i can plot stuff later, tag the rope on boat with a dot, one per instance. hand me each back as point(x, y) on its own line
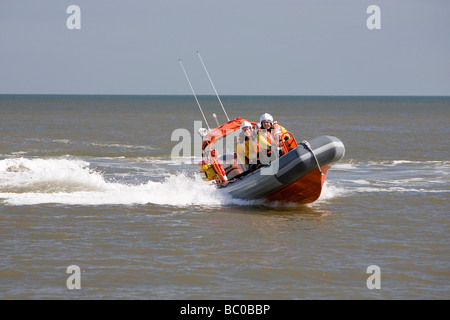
point(308, 146)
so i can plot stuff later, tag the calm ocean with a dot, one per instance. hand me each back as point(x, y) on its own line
point(90, 181)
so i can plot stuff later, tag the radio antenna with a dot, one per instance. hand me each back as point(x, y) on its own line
point(195, 96)
point(215, 117)
point(213, 86)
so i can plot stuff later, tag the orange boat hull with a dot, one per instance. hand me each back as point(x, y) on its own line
point(305, 190)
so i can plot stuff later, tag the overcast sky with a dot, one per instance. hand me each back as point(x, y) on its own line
point(250, 47)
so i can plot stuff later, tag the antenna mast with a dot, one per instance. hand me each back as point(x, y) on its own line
point(195, 96)
point(213, 86)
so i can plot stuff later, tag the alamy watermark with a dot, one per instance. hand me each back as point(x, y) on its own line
point(374, 21)
point(74, 280)
point(374, 280)
point(73, 22)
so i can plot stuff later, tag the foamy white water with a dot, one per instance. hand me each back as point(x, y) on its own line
point(72, 181)
point(20, 175)
point(330, 191)
point(391, 176)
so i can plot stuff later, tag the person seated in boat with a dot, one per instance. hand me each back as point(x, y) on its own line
point(248, 149)
point(273, 127)
point(270, 132)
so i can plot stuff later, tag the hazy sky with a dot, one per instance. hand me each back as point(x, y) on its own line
point(250, 47)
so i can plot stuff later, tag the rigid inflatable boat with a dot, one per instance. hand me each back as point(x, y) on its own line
point(297, 175)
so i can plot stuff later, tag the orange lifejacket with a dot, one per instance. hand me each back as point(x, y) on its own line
point(218, 167)
point(273, 136)
point(267, 134)
point(278, 130)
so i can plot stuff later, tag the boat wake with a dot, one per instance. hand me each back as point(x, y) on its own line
point(388, 176)
point(73, 182)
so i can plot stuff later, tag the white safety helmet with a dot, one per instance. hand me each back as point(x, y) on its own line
point(245, 124)
point(266, 117)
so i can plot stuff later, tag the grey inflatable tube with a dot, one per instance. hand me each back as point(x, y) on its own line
point(287, 169)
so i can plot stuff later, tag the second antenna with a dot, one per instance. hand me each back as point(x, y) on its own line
point(212, 84)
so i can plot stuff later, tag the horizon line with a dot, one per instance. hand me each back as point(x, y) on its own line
point(224, 95)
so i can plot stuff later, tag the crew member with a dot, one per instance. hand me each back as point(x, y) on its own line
point(271, 132)
point(248, 149)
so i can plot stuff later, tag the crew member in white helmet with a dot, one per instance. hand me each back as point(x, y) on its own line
point(247, 147)
point(270, 132)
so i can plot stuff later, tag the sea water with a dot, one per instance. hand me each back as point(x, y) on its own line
point(91, 181)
